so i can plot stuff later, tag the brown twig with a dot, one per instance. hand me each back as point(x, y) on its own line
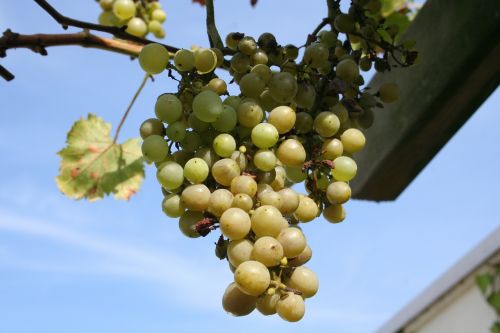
point(213, 33)
point(115, 31)
point(38, 42)
point(8, 76)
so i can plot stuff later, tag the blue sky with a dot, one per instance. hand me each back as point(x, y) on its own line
point(69, 266)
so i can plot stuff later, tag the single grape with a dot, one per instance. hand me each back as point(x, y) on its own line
point(290, 201)
point(207, 106)
point(295, 174)
point(237, 302)
point(159, 15)
point(154, 148)
point(150, 127)
point(302, 258)
point(338, 192)
point(291, 153)
point(184, 60)
point(267, 221)
point(155, 27)
point(220, 201)
point(332, 148)
point(168, 108)
point(243, 201)
point(264, 135)
point(124, 9)
point(170, 175)
point(389, 92)
point(239, 251)
point(232, 40)
point(172, 206)
point(249, 114)
point(195, 197)
point(176, 131)
point(307, 210)
point(240, 63)
point(306, 95)
point(344, 23)
point(187, 223)
point(329, 38)
point(264, 160)
point(304, 122)
point(205, 60)
point(263, 71)
point(224, 145)
point(252, 277)
point(326, 124)
point(153, 57)
point(232, 101)
point(196, 170)
point(208, 155)
point(271, 198)
point(191, 142)
point(293, 241)
point(227, 120)
point(334, 213)
point(266, 304)
point(291, 308)
point(247, 45)
point(344, 168)
point(244, 184)
point(217, 85)
point(283, 87)
point(252, 85)
point(106, 5)
point(283, 118)
point(303, 280)
point(353, 140)
point(268, 251)
point(347, 70)
point(137, 27)
point(225, 170)
point(235, 223)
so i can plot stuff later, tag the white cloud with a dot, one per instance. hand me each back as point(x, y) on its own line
point(178, 276)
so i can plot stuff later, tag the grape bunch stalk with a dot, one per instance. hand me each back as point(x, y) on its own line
point(139, 16)
point(228, 163)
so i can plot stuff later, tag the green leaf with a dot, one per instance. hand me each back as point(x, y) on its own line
point(494, 300)
point(495, 328)
point(92, 166)
point(390, 6)
point(483, 281)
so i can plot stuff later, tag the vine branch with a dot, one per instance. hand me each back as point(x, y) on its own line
point(38, 42)
point(213, 33)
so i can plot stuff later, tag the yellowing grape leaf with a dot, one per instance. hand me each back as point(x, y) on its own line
point(92, 166)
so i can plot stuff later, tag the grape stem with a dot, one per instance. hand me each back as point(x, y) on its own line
point(125, 115)
point(213, 33)
point(4, 72)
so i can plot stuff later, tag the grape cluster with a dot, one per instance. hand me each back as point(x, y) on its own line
point(229, 162)
point(140, 17)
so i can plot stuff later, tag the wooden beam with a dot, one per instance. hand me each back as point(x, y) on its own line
point(459, 67)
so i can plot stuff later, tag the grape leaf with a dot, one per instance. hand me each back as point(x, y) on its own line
point(92, 166)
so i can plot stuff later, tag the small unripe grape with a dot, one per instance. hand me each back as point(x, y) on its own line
point(155, 27)
point(154, 148)
point(153, 57)
point(217, 85)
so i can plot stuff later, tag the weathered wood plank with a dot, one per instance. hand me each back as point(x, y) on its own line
point(459, 45)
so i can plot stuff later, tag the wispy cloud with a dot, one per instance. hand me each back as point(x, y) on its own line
point(179, 276)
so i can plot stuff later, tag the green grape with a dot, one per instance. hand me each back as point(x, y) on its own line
point(282, 118)
point(224, 145)
point(240, 63)
point(220, 201)
point(106, 5)
point(172, 206)
point(160, 33)
point(263, 71)
point(195, 197)
point(316, 55)
point(227, 120)
point(108, 18)
point(237, 302)
point(344, 23)
point(332, 148)
point(290, 201)
point(154, 148)
point(191, 142)
point(184, 60)
point(295, 174)
point(208, 155)
point(155, 27)
point(268, 251)
point(307, 210)
point(266, 304)
point(217, 85)
point(232, 101)
point(291, 308)
point(347, 70)
point(153, 57)
point(137, 27)
point(243, 201)
point(159, 15)
point(264, 135)
point(252, 277)
point(182, 157)
point(267, 221)
point(232, 40)
point(291, 153)
point(266, 101)
point(225, 170)
point(334, 213)
point(207, 106)
point(170, 175)
point(252, 85)
point(293, 241)
point(196, 170)
point(340, 111)
point(267, 41)
point(168, 108)
point(271, 199)
point(365, 64)
point(235, 223)
point(283, 87)
point(249, 114)
point(389, 92)
point(205, 60)
point(329, 38)
point(259, 57)
point(244, 184)
point(239, 251)
point(344, 168)
point(291, 51)
point(263, 188)
point(264, 160)
point(150, 127)
point(302, 258)
point(187, 223)
point(247, 45)
point(196, 124)
point(306, 95)
point(353, 140)
point(303, 280)
point(124, 9)
point(304, 122)
point(176, 131)
point(326, 124)
point(338, 192)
